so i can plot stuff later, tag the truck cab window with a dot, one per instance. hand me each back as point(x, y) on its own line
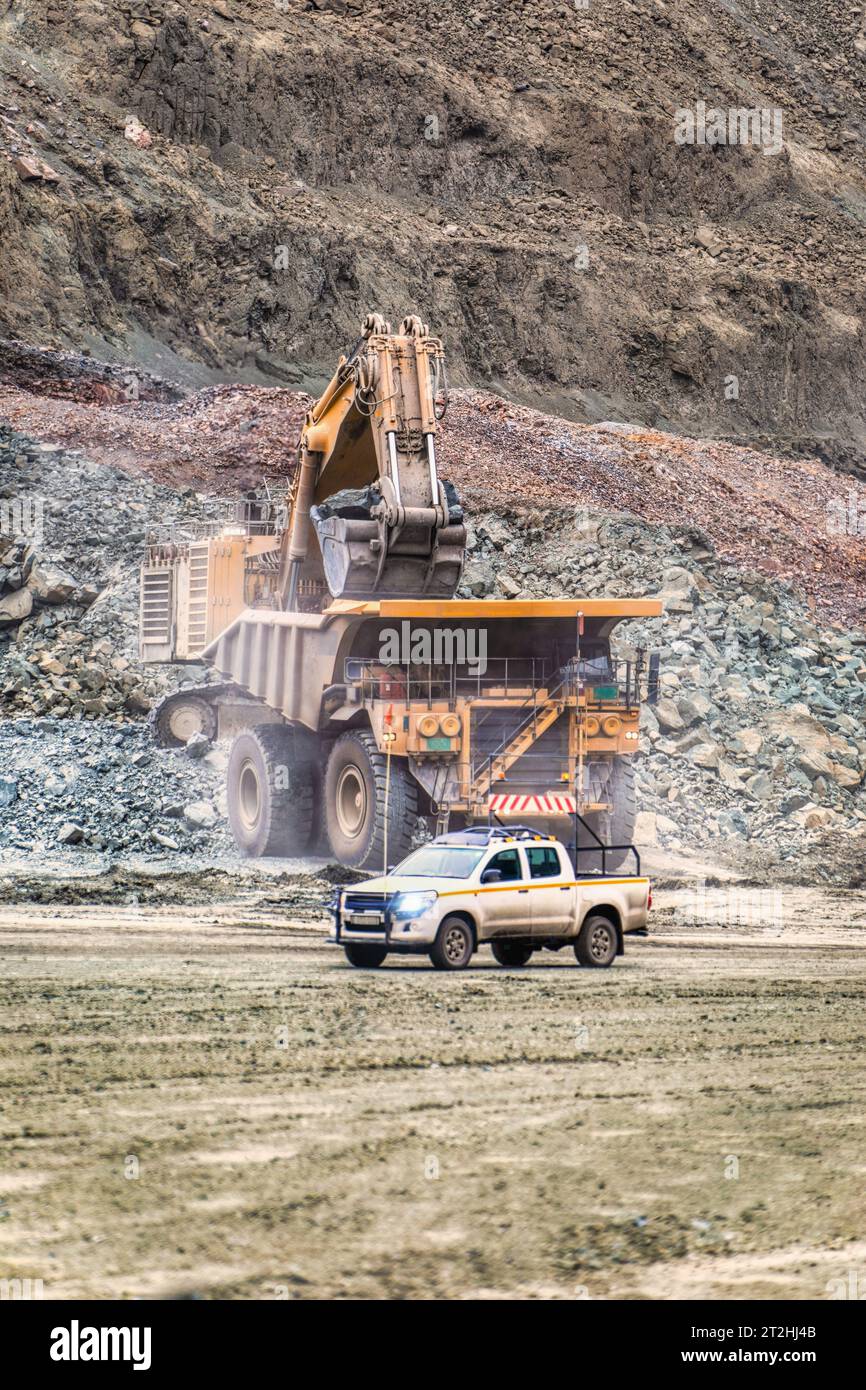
point(595, 665)
point(508, 864)
point(543, 861)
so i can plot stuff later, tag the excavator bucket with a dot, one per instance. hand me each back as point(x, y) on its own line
point(362, 560)
point(351, 554)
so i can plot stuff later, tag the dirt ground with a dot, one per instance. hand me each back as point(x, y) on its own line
point(214, 1104)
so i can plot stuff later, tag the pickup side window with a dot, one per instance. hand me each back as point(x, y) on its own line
point(507, 861)
point(543, 861)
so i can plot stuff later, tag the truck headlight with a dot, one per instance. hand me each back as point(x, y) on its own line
point(413, 904)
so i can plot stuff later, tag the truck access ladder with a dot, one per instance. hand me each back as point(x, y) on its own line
point(547, 706)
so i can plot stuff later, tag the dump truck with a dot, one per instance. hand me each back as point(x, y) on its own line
point(360, 695)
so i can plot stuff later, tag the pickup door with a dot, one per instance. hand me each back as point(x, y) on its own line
point(506, 906)
point(552, 890)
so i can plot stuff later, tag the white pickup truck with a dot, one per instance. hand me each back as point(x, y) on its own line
point(509, 888)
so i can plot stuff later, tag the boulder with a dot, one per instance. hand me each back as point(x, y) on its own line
point(477, 579)
point(748, 741)
point(668, 715)
point(508, 586)
point(496, 531)
point(197, 745)
point(164, 841)
point(814, 765)
point(645, 829)
point(8, 791)
point(760, 786)
point(730, 776)
point(50, 584)
point(733, 823)
point(70, 833)
point(28, 169)
point(137, 133)
point(200, 814)
point(704, 755)
point(847, 777)
point(15, 606)
point(693, 707)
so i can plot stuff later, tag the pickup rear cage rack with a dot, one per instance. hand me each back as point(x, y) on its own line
point(605, 849)
point(525, 832)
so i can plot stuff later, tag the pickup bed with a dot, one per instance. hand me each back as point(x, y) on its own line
point(511, 889)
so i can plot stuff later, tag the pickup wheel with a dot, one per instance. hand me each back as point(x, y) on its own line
point(454, 945)
point(597, 943)
point(365, 957)
point(511, 953)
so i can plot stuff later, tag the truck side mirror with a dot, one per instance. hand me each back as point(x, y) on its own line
point(491, 876)
point(652, 684)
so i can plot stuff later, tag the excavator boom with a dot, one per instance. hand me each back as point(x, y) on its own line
point(367, 486)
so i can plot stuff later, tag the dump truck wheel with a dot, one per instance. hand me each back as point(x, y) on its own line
point(454, 945)
point(365, 957)
point(270, 792)
point(622, 791)
point(511, 953)
point(319, 843)
point(181, 716)
point(597, 943)
point(354, 796)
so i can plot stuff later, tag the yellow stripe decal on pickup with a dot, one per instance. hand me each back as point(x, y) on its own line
point(521, 887)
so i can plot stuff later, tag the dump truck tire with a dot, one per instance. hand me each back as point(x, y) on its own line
point(622, 791)
point(270, 792)
point(615, 827)
point(180, 716)
point(354, 803)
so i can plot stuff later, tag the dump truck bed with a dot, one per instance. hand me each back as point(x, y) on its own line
point(288, 659)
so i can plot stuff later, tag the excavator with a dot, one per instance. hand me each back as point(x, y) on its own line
point(363, 700)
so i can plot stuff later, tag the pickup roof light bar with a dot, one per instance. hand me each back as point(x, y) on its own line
point(484, 834)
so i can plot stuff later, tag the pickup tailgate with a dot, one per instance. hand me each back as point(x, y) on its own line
point(628, 896)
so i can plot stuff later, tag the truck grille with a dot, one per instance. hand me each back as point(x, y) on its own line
point(366, 902)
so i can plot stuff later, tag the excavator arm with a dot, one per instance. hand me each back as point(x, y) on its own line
point(367, 488)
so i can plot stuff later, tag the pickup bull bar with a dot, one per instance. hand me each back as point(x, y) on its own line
point(387, 920)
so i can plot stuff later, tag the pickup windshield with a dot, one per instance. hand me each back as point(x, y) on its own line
point(439, 861)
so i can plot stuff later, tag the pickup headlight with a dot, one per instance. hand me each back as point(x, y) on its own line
point(413, 904)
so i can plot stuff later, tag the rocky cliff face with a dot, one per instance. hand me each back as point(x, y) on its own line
point(513, 172)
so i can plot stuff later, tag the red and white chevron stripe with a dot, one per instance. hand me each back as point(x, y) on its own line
point(553, 804)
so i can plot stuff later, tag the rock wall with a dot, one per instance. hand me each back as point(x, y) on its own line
point(514, 176)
